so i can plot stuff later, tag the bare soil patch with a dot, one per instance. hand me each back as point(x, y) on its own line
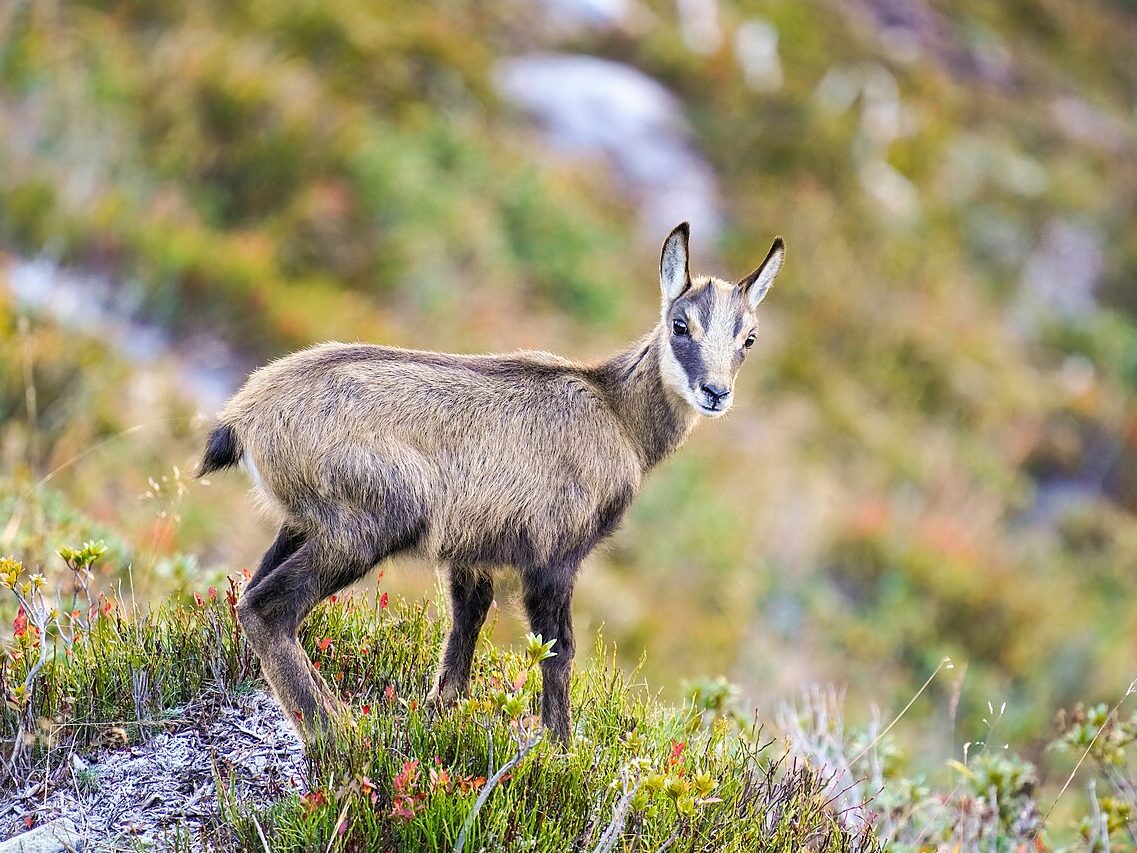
point(125, 793)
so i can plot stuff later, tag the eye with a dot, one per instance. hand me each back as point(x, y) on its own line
point(749, 342)
point(679, 327)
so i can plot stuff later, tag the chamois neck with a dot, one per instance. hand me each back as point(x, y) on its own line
point(655, 417)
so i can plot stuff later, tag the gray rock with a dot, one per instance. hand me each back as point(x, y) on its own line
point(205, 367)
point(1062, 273)
point(756, 49)
point(570, 17)
point(589, 106)
point(56, 836)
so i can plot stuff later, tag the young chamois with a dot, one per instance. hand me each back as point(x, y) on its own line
point(476, 462)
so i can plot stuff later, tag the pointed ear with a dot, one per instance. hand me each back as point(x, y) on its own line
point(755, 285)
point(674, 271)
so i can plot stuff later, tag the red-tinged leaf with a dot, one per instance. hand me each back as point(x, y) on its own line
point(334, 598)
point(469, 784)
point(20, 623)
point(677, 747)
point(383, 601)
point(313, 800)
point(407, 777)
point(198, 600)
point(246, 574)
point(212, 593)
point(316, 664)
point(29, 821)
point(324, 643)
point(439, 779)
point(366, 709)
point(389, 693)
point(403, 808)
point(519, 682)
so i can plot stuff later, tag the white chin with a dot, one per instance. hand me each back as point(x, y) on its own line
point(708, 412)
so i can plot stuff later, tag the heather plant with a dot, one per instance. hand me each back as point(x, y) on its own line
point(81, 662)
point(83, 668)
point(450, 779)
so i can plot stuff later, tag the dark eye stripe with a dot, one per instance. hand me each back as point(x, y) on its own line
point(704, 302)
point(690, 358)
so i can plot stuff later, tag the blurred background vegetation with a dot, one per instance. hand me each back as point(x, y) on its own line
point(934, 450)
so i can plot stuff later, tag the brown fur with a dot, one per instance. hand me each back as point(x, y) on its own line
point(473, 461)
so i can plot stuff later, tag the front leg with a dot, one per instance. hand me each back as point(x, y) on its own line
point(471, 594)
point(548, 603)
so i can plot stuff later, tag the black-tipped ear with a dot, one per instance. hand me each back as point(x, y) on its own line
point(674, 268)
point(756, 285)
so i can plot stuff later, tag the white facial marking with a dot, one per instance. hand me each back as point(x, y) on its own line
point(718, 349)
point(673, 374)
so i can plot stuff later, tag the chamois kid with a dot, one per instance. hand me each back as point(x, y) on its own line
point(475, 462)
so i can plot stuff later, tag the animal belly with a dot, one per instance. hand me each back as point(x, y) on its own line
point(520, 530)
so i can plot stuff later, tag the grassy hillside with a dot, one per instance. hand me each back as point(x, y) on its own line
point(91, 681)
point(934, 451)
point(639, 774)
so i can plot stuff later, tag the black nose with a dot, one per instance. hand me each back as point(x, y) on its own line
point(716, 392)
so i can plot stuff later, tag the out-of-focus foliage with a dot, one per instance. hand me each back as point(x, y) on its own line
point(263, 160)
point(932, 453)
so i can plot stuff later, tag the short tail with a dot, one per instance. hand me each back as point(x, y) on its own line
point(222, 451)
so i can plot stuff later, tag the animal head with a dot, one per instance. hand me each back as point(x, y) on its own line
point(709, 325)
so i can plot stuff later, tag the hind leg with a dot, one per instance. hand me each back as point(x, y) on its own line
point(288, 540)
point(271, 613)
point(348, 544)
point(471, 594)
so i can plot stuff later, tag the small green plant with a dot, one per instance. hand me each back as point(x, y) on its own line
point(87, 778)
point(713, 700)
point(1108, 740)
point(80, 561)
